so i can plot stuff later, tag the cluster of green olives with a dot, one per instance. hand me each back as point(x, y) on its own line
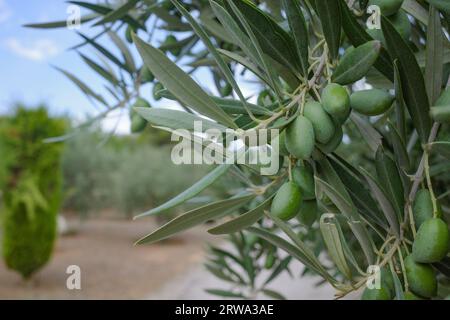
point(320, 126)
point(431, 245)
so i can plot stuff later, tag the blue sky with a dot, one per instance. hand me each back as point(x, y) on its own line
point(27, 55)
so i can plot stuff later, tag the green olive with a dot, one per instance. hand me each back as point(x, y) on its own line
point(323, 125)
point(286, 202)
point(422, 207)
point(336, 102)
point(371, 102)
point(157, 87)
point(334, 142)
point(308, 213)
point(146, 75)
point(421, 278)
point(382, 293)
point(303, 176)
point(300, 138)
point(432, 241)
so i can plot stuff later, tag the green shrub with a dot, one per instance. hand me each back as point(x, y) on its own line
point(31, 187)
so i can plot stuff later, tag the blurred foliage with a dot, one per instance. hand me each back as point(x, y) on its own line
point(31, 184)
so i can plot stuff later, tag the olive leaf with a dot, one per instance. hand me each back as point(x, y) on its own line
point(106, 74)
point(243, 221)
point(400, 105)
point(390, 180)
point(59, 24)
point(82, 86)
point(358, 36)
point(368, 132)
point(274, 41)
point(292, 250)
point(273, 294)
point(180, 84)
point(442, 5)
point(217, 57)
point(434, 53)
point(176, 119)
point(191, 192)
point(225, 293)
point(384, 202)
point(333, 243)
point(413, 84)
point(126, 53)
point(282, 265)
point(118, 13)
point(330, 18)
point(355, 64)
point(299, 29)
point(195, 217)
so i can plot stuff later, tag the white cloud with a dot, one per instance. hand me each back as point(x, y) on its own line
point(38, 50)
point(5, 11)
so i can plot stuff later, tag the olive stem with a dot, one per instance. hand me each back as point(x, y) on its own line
point(430, 185)
point(402, 264)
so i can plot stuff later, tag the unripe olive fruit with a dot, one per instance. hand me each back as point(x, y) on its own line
point(334, 142)
point(146, 75)
point(336, 102)
point(308, 213)
point(128, 33)
point(226, 90)
point(264, 98)
point(286, 202)
point(411, 296)
point(303, 176)
point(300, 138)
point(156, 88)
point(421, 278)
point(137, 123)
point(382, 293)
point(387, 7)
point(172, 40)
point(371, 102)
point(141, 103)
point(387, 279)
point(270, 260)
point(320, 120)
point(432, 241)
point(422, 207)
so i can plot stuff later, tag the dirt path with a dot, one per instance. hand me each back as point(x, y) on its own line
point(111, 267)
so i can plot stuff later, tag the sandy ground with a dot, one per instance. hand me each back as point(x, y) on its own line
point(112, 268)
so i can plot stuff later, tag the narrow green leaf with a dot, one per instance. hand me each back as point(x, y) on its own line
point(105, 52)
point(220, 62)
point(82, 86)
point(383, 200)
point(358, 36)
point(58, 24)
point(103, 10)
point(413, 84)
point(282, 265)
point(191, 192)
point(274, 41)
point(299, 29)
point(333, 243)
point(225, 293)
point(390, 181)
point(180, 84)
point(355, 64)
point(273, 294)
point(400, 106)
point(442, 5)
point(118, 13)
point(434, 53)
point(100, 70)
point(126, 53)
point(176, 119)
point(195, 217)
point(368, 132)
point(330, 17)
point(243, 221)
point(289, 248)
